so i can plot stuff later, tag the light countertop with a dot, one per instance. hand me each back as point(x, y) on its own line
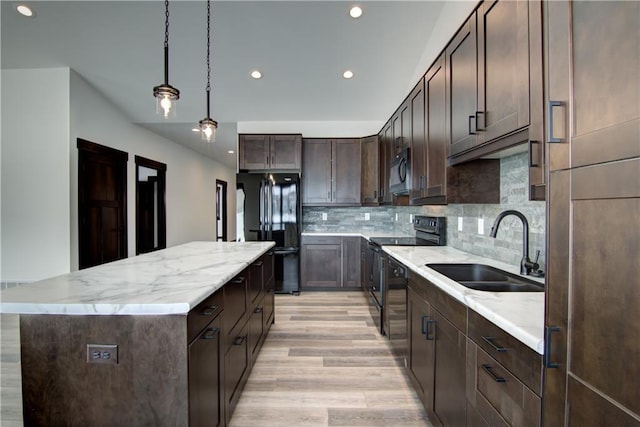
point(169, 281)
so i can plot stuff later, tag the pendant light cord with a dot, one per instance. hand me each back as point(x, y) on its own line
point(208, 89)
point(166, 42)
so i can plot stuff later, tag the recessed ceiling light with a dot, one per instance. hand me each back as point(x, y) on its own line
point(355, 12)
point(347, 74)
point(230, 151)
point(24, 10)
point(256, 74)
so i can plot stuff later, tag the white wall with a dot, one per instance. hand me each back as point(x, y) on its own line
point(44, 111)
point(191, 178)
point(35, 174)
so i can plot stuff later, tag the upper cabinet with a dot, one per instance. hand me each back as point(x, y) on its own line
point(331, 172)
point(369, 167)
point(386, 154)
point(270, 152)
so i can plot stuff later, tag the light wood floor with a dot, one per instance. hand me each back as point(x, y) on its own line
point(322, 364)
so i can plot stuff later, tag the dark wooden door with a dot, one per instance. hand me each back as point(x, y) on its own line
point(102, 204)
point(421, 347)
point(285, 151)
point(418, 141)
point(316, 171)
point(461, 62)
point(346, 171)
point(254, 152)
point(450, 372)
point(351, 262)
point(503, 68)
point(435, 124)
point(205, 379)
point(321, 264)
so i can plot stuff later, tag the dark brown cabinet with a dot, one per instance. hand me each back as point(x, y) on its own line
point(331, 172)
point(330, 262)
point(592, 293)
point(417, 139)
point(437, 351)
point(370, 166)
point(386, 154)
point(269, 152)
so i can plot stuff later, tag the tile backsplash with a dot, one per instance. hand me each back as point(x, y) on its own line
point(507, 247)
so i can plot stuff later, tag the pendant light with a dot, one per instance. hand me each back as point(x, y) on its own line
point(165, 94)
point(207, 125)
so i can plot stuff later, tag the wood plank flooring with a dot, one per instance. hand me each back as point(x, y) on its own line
point(322, 364)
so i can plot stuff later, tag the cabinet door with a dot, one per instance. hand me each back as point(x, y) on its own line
point(592, 79)
point(321, 265)
point(418, 141)
point(421, 348)
point(351, 262)
point(285, 151)
point(346, 171)
point(255, 282)
point(435, 124)
point(256, 329)
point(235, 305)
point(205, 381)
point(316, 172)
point(370, 166)
point(253, 152)
point(461, 62)
point(236, 370)
point(386, 142)
point(503, 68)
point(450, 375)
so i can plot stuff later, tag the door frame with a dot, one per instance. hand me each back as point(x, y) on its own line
point(161, 168)
point(221, 214)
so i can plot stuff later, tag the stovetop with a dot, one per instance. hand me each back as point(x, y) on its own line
point(430, 231)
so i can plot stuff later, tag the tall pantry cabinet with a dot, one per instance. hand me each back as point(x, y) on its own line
point(592, 103)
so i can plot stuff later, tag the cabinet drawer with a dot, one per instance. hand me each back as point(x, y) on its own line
point(519, 359)
point(500, 397)
point(204, 313)
point(316, 240)
point(235, 302)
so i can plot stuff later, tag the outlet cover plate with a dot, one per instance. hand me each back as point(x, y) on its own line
point(102, 353)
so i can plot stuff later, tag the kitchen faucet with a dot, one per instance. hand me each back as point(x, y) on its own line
point(526, 265)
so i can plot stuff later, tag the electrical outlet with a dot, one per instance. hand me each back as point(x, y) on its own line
point(411, 218)
point(102, 353)
point(396, 216)
point(459, 223)
point(324, 216)
point(480, 225)
point(367, 216)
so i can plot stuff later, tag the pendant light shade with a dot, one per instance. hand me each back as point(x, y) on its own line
point(165, 94)
point(208, 126)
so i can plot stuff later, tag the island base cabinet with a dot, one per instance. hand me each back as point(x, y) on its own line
point(205, 379)
point(147, 386)
point(237, 365)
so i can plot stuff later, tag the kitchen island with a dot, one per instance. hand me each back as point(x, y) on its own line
point(156, 339)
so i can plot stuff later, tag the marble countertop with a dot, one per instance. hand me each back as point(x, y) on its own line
point(521, 314)
point(169, 281)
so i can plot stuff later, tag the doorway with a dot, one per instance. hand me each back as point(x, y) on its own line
point(102, 204)
point(221, 210)
point(151, 222)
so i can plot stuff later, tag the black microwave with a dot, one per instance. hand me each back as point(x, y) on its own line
point(400, 173)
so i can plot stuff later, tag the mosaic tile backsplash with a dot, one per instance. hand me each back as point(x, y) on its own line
point(507, 247)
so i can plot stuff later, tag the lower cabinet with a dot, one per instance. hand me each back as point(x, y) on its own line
point(328, 262)
point(437, 351)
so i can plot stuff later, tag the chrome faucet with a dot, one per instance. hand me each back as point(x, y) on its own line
point(526, 265)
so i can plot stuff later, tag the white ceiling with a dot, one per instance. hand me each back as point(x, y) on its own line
point(301, 47)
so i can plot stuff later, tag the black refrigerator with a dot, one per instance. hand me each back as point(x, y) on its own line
point(269, 210)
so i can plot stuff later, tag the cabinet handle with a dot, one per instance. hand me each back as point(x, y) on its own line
point(238, 280)
point(496, 347)
point(210, 334)
point(258, 310)
point(334, 195)
point(210, 310)
point(267, 161)
point(258, 263)
point(548, 330)
point(424, 325)
point(427, 336)
point(273, 160)
point(329, 195)
point(375, 194)
point(531, 164)
point(489, 371)
point(239, 340)
point(469, 125)
point(478, 114)
point(551, 106)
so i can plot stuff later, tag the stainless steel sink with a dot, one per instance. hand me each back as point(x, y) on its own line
point(483, 277)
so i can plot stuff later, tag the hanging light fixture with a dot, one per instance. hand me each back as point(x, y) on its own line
point(166, 94)
point(207, 125)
